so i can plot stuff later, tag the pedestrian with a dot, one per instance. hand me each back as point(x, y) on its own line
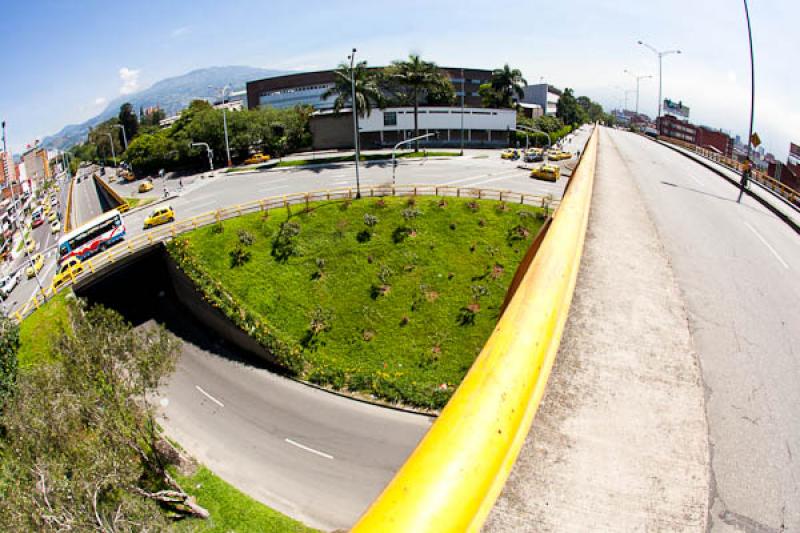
point(180, 183)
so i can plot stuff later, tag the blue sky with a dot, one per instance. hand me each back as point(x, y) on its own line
point(64, 60)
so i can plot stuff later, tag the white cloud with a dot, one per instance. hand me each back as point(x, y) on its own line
point(100, 100)
point(179, 32)
point(130, 80)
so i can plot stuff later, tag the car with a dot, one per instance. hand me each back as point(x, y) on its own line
point(8, 283)
point(160, 215)
point(256, 158)
point(509, 153)
point(53, 201)
point(546, 172)
point(46, 208)
point(534, 157)
point(37, 262)
point(30, 245)
point(55, 227)
point(66, 272)
point(146, 186)
point(558, 155)
point(52, 216)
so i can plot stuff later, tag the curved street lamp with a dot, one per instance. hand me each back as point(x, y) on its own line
point(638, 79)
point(660, 55)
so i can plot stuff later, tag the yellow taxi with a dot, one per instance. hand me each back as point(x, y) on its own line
point(256, 158)
point(30, 245)
point(68, 270)
point(146, 186)
point(546, 172)
point(55, 227)
point(46, 208)
point(160, 215)
point(558, 155)
point(509, 153)
point(37, 262)
point(51, 216)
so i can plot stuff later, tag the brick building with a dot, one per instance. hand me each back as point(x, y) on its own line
point(701, 136)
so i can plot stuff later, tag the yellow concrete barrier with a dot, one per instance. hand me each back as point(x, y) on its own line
point(68, 217)
point(451, 481)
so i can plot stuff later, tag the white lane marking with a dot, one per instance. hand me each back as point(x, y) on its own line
point(484, 182)
point(306, 448)
point(763, 240)
point(207, 395)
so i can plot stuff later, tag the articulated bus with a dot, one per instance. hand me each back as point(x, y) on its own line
point(92, 237)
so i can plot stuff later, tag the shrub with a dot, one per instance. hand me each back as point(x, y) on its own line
point(320, 321)
point(217, 228)
point(380, 203)
point(400, 234)
point(473, 206)
point(284, 245)
point(245, 237)
point(363, 236)
point(410, 213)
point(239, 255)
point(370, 220)
point(9, 346)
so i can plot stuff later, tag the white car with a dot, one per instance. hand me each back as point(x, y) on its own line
point(8, 283)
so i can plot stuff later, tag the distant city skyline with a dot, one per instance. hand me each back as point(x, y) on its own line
point(74, 59)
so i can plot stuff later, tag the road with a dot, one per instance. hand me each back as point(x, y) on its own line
point(86, 203)
point(737, 267)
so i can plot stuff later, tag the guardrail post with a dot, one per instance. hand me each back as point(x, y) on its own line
point(458, 192)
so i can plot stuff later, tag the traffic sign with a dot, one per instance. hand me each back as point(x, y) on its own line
point(755, 140)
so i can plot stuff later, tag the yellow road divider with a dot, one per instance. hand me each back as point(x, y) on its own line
point(68, 216)
point(452, 479)
point(122, 205)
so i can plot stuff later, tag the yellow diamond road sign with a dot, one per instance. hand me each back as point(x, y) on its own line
point(755, 140)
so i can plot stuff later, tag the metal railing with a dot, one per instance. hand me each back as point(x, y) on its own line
point(768, 182)
point(160, 234)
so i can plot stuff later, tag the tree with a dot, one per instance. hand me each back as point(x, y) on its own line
point(507, 83)
point(489, 97)
point(415, 77)
point(9, 345)
point(442, 93)
point(81, 447)
point(568, 109)
point(368, 94)
point(127, 118)
point(99, 136)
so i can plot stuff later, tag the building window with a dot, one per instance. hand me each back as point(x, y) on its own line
point(390, 118)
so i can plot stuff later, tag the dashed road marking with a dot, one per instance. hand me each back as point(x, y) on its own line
point(207, 395)
point(306, 448)
point(769, 247)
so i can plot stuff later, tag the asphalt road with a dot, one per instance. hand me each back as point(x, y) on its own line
point(737, 266)
point(85, 201)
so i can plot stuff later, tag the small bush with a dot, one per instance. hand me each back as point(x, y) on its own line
point(412, 201)
point(410, 213)
point(473, 206)
point(363, 236)
point(245, 237)
point(217, 228)
point(400, 234)
point(284, 245)
point(380, 203)
point(370, 220)
point(239, 256)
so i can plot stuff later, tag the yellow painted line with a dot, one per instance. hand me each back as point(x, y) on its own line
point(451, 481)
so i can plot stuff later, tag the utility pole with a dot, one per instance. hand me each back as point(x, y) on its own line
point(124, 136)
point(223, 90)
point(638, 79)
point(660, 57)
point(113, 154)
point(743, 183)
point(209, 152)
point(352, 58)
point(462, 110)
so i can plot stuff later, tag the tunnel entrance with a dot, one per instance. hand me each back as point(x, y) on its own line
point(143, 292)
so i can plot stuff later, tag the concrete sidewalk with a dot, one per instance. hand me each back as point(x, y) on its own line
point(620, 441)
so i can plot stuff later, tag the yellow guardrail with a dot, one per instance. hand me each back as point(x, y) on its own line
point(68, 217)
point(122, 205)
point(452, 479)
point(159, 234)
point(763, 178)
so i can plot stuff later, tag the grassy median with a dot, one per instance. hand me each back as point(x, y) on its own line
point(387, 297)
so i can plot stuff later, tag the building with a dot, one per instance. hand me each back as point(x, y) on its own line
point(702, 136)
point(794, 154)
point(37, 165)
point(544, 95)
point(8, 169)
point(387, 127)
point(308, 88)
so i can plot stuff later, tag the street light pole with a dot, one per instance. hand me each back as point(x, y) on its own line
point(743, 183)
point(223, 90)
point(124, 136)
point(660, 56)
point(462, 110)
point(113, 154)
point(638, 79)
point(352, 58)
point(209, 151)
point(398, 145)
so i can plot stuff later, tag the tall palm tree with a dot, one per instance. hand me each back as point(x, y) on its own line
point(417, 76)
point(507, 82)
point(368, 94)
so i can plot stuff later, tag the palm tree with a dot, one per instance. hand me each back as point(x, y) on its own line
point(417, 76)
point(507, 82)
point(368, 94)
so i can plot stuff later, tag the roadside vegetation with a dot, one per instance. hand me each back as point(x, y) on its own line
point(139, 201)
point(80, 449)
point(364, 157)
point(388, 297)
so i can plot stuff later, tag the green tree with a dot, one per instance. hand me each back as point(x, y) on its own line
point(368, 94)
point(489, 97)
point(9, 346)
point(127, 118)
point(507, 83)
point(99, 136)
point(415, 77)
point(568, 109)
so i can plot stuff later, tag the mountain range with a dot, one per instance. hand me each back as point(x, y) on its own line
point(170, 94)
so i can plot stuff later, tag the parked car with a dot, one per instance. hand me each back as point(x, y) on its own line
point(534, 157)
point(558, 155)
point(37, 262)
point(55, 227)
point(547, 172)
point(8, 283)
point(30, 245)
point(256, 158)
point(68, 270)
point(161, 215)
point(510, 153)
point(146, 186)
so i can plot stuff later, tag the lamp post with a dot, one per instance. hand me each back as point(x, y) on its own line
point(743, 183)
point(209, 151)
point(660, 55)
point(534, 130)
point(113, 154)
point(407, 141)
point(352, 58)
point(124, 136)
point(462, 110)
point(638, 79)
point(223, 90)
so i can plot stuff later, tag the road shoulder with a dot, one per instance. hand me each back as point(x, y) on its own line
point(620, 442)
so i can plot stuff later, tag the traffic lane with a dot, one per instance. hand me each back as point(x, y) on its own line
point(85, 201)
point(741, 300)
point(316, 456)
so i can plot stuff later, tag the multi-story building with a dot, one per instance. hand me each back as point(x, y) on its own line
point(8, 170)
point(37, 165)
point(308, 88)
point(794, 154)
point(705, 137)
point(544, 95)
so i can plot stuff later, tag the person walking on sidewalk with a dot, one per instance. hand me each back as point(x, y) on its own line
point(747, 169)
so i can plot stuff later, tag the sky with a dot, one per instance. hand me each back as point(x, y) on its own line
point(62, 62)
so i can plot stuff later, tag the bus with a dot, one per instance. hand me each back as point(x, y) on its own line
point(92, 237)
point(37, 217)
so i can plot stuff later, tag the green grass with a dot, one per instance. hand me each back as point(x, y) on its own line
point(404, 342)
point(138, 202)
point(39, 332)
point(230, 509)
